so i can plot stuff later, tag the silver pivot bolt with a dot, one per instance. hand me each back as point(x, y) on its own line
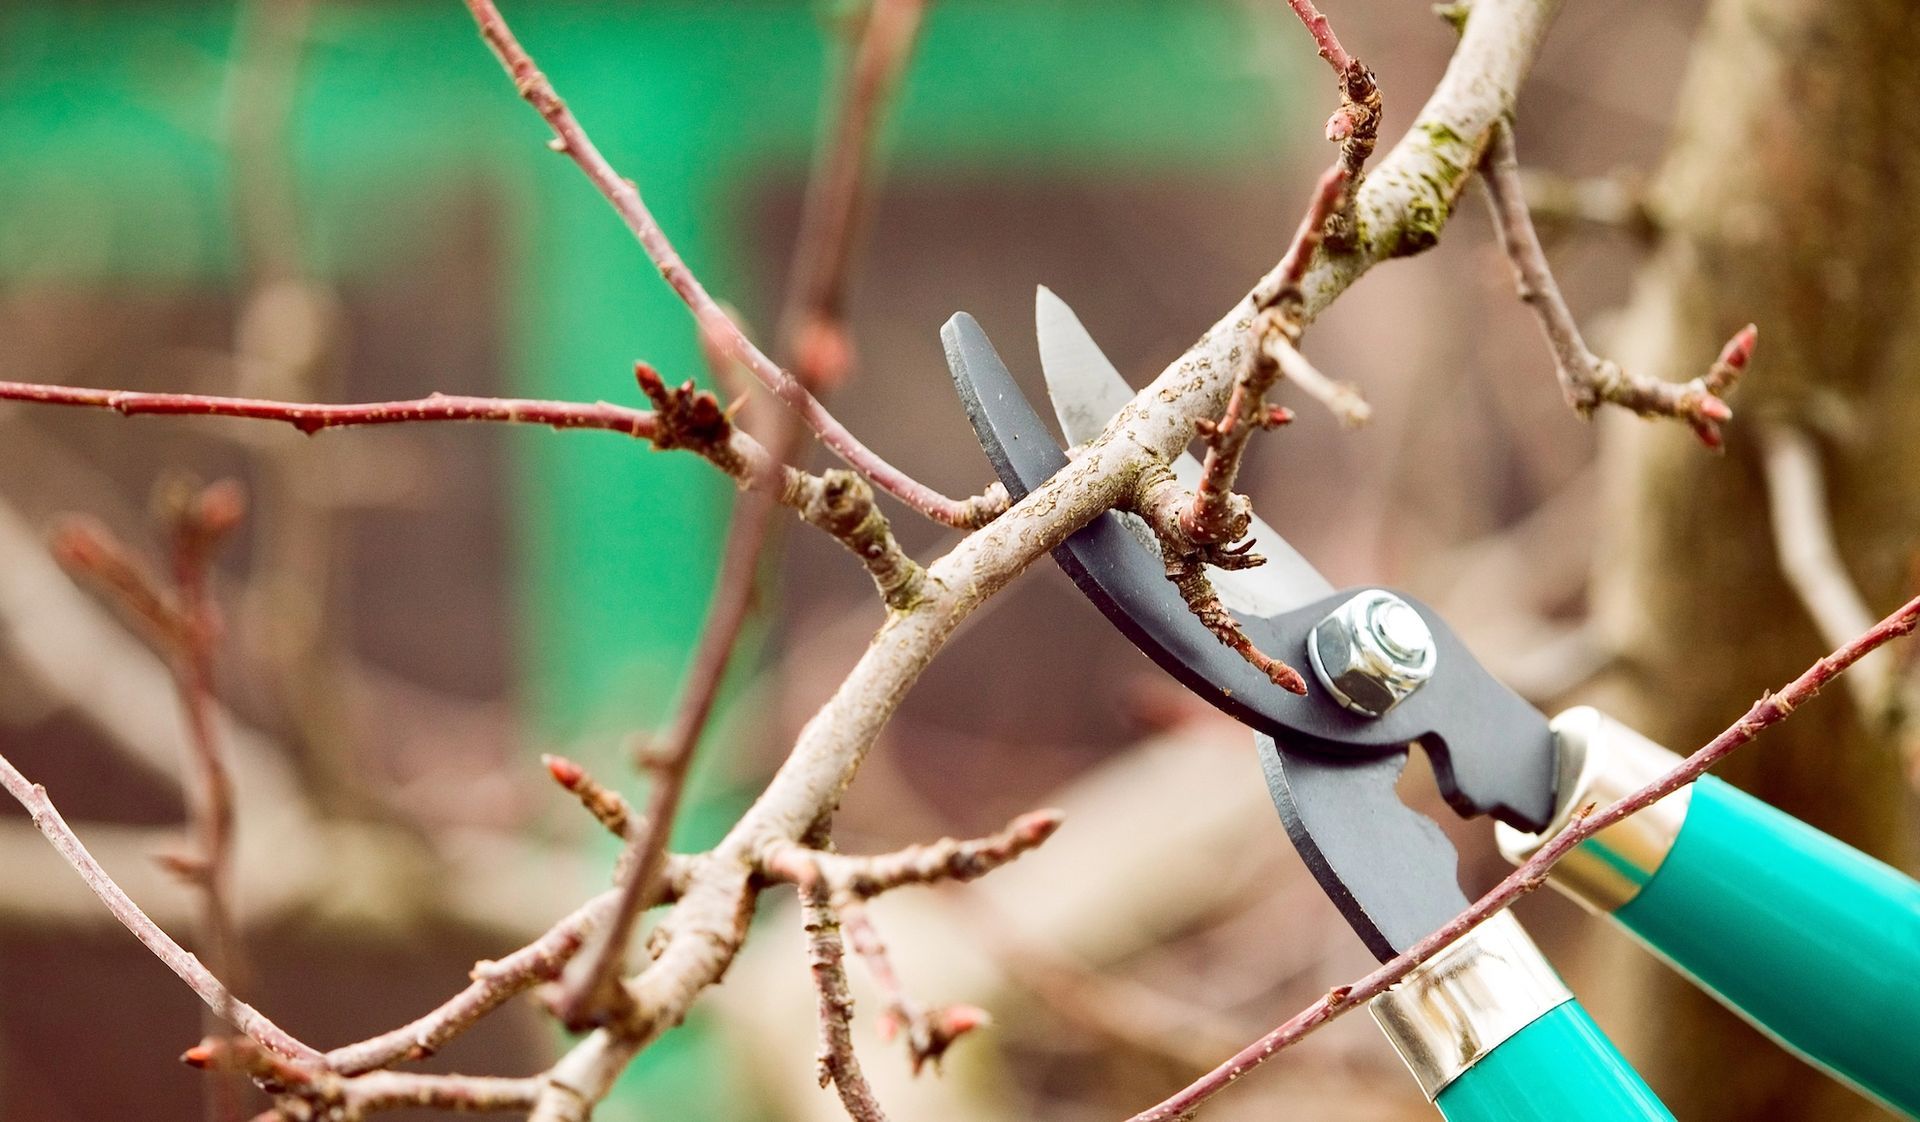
point(1372, 652)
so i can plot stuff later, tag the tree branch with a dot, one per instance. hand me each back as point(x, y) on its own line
point(1586, 379)
point(182, 962)
point(572, 141)
point(1770, 710)
point(1355, 126)
point(814, 337)
point(826, 954)
point(813, 325)
point(325, 1095)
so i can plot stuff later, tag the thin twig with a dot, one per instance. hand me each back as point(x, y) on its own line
point(813, 332)
point(202, 519)
point(1355, 126)
point(1214, 518)
point(609, 807)
point(492, 985)
point(853, 877)
point(1587, 380)
point(1770, 710)
point(325, 1094)
point(572, 140)
point(311, 418)
point(839, 1066)
point(687, 418)
point(590, 994)
point(814, 338)
point(183, 625)
point(182, 962)
point(928, 1031)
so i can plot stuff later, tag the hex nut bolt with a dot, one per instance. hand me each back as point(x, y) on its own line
point(1372, 652)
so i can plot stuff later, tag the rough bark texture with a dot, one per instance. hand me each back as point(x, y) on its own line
point(1791, 197)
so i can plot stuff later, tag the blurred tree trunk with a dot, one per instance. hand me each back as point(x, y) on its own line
point(1790, 197)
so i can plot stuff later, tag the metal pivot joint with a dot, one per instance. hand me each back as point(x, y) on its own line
point(1331, 765)
point(1372, 652)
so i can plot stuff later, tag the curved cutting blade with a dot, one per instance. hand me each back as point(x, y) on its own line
point(1125, 579)
point(1087, 391)
point(1332, 772)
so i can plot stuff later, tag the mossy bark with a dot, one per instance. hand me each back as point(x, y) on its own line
point(1790, 197)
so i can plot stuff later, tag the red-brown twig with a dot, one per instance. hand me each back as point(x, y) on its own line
point(837, 501)
point(572, 140)
point(837, 1062)
point(814, 338)
point(311, 418)
point(928, 1031)
point(326, 1094)
point(1355, 126)
point(1214, 518)
point(178, 959)
point(609, 807)
point(813, 334)
point(202, 519)
point(590, 994)
point(1190, 580)
point(1770, 710)
point(184, 627)
point(1587, 380)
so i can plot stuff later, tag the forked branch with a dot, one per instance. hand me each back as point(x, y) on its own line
point(1587, 380)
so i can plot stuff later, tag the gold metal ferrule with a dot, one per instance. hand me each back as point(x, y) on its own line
point(1601, 761)
point(1464, 1002)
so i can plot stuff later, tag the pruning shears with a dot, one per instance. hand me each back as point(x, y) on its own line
point(1812, 941)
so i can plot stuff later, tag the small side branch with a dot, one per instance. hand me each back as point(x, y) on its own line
point(1587, 380)
point(813, 330)
point(949, 859)
point(1215, 518)
point(1770, 710)
point(1355, 126)
point(928, 1031)
point(839, 1067)
point(183, 624)
point(834, 888)
point(324, 1094)
point(1205, 603)
point(178, 959)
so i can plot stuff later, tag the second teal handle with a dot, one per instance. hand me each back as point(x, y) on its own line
point(1812, 940)
point(1557, 1068)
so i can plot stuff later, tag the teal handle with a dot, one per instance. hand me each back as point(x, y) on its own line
point(1813, 941)
point(1559, 1067)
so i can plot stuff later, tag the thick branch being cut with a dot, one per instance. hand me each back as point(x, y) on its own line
point(1587, 380)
